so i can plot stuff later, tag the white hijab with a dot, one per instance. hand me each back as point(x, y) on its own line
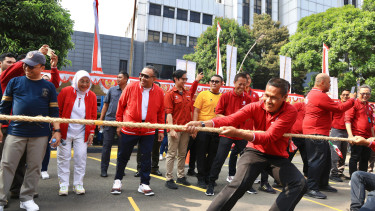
point(80, 74)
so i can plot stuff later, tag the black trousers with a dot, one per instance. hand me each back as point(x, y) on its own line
point(193, 153)
point(154, 155)
point(319, 161)
point(300, 143)
point(206, 148)
point(108, 139)
point(359, 156)
point(222, 153)
point(251, 163)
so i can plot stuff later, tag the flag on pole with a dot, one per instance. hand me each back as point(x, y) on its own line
point(219, 70)
point(325, 59)
point(337, 150)
point(231, 64)
point(286, 68)
point(96, 66)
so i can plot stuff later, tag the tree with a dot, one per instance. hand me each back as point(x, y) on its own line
point(267, 64)
point(368, 5)
point(205, 50)
point(27, 24)
point(350, 34)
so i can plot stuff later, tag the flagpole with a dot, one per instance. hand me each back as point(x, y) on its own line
point(258, 40)
point(230, 63)
point(132, 41)
point(284, 68)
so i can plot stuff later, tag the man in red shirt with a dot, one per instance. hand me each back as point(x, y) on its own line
point(317, 121)
point(141, 101)
point(359, 122)
point(264, 150)
point(229, 103)
point(338, 130)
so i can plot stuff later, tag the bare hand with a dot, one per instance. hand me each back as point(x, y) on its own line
point(199, 76)
point(90, 139)
point(229, 131)
point(353, 95)
point(160, 137)
point(191, 127)
point(173, 133)
point(1, 136)
point(54, 60)
point(118, 130)
point(361, 141)
point(57, 136)
point(44, 49)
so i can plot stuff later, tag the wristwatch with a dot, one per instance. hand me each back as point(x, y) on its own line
point(57, 130)
point(202, 123)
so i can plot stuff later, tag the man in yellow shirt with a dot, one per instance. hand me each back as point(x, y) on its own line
point(207, 143)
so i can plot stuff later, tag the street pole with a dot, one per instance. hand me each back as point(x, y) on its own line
point(258, 40)
point(132, 40)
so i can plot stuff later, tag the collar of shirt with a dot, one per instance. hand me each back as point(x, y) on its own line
point(174, 89)
point(118, 87)
point(236, 95)
point(317, 89)
point(151, 88)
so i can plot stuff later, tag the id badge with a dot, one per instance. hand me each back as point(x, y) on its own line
point(369, 119)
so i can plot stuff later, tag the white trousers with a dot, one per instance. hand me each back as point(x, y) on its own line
point(63, 160)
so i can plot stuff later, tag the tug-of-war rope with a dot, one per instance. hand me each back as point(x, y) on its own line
point(148, 125)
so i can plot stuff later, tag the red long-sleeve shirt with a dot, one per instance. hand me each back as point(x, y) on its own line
point(275, 125)
point(361, 119)
point(318, 110)
point(254, 98)
point(230, 103)
point(338, 120)
point(129, 108)
point(297, 127)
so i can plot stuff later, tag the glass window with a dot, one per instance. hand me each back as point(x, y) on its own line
point(165, 71)
point(346, 2)
point(182, 14)
point(246, 12)
point(193, 41)
point(155, 9)
point(207, 19)
point(195, 17)
point(269, 7)
point(354, 2)
point(258, 6)
point(168, 12)
point(167, 38)
point(153, 36)
point(181, 40)
point(123, 65)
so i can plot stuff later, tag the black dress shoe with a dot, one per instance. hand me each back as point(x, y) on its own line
point(14, 195)
point(336, 179)
point(124, 174)
point(316, 194)
point(170, 184)
point(137, 174)
point(191, 173)
point(36, 195)
point(104, 174)
point(328, 188)
point(267, 188)
point(157, 172)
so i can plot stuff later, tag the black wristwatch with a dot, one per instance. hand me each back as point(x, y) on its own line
point(202, 123)
point(57, 130)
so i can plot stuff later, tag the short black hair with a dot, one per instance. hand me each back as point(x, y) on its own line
point(240, 75)
point(2, 56)
point(178, 74)
point(154, 70)
point(125, 74)
point(280, 83)
point(345, 90)
point(219, 76)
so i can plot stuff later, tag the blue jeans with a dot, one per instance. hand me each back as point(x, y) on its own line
point(360, 182)
point(125, 149)
point(164, 144)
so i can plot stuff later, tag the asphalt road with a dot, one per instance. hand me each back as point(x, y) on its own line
point(98, 195)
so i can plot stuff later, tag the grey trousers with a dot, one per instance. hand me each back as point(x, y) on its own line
point(14, 148)
point(338, 164)
point(362, 181)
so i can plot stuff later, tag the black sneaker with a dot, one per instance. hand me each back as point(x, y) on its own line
point(170, 184)
point(191, 173)
point(252, 191)
point(267, 188)
point(328, 188)
point(137, 174)
point(210, 190)
point(316, 194)
point(157, 172)
point(202, 184)
point(276, 185)
point(103, 173)
point(336, 179)
point(183, 181)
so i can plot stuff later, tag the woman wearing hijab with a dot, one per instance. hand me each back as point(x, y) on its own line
point(75, 102)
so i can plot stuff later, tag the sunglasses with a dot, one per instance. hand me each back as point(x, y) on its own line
point(184, 79)
point(144, 76)
point(215, 81)
point(30, 67)
point(368, 94)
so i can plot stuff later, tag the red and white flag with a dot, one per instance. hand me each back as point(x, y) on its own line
point(219, 70)
point(96, 66)
point(325, 59)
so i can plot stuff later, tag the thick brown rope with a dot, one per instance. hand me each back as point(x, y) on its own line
point(147, 125)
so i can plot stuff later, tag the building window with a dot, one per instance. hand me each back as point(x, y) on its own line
point(167, 38)
point(258, 6)
point(346, 2)
point(123, 66)
point(165, 71)
point(193, 41)
point(207, 19)
point(182, 14)
point(195, 17)
point(153, 36)
point(269, 7)
point(155, 9)
point(180, 40)
point(354, 2)
point(219, 1)
point(246, 12)
point(168, 12)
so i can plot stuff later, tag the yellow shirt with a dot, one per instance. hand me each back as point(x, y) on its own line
point(206, 103)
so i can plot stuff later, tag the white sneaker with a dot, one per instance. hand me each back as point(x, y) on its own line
point(229, 179)
point(256, 181)
point(29, 205)
point(63, 191)
point(161, 157)
point(1, 208)
point(79, 190)
point(116, 188)
point(45, 175)
point(145, 189)
point(350, 183)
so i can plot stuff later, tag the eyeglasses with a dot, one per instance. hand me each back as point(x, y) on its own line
point(368, 94)
point(345, 95)
point(215, 81)
point(184, 79)
point(144, 76)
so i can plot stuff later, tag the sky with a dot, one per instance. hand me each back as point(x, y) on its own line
point(114, 15)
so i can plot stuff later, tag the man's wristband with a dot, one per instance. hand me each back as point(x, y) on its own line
point(57, 130)
point(202, 123)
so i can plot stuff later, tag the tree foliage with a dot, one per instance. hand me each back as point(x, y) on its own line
point(350, 34)
point(27, 24)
